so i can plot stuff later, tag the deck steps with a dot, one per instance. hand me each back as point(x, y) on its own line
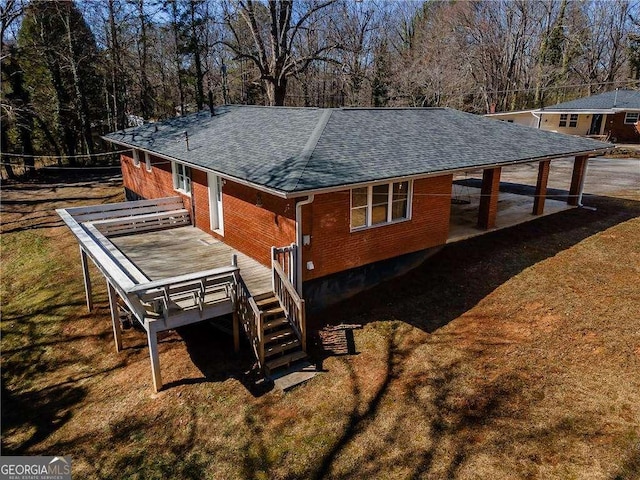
point(274, 323)
point(273, 348)
point(286, 360)
point(267, 302)
point(279, 335)
point(282, 347)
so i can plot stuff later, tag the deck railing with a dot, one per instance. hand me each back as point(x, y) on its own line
point(287, 258)
point(251, 318)
point(191, 292)
point(291, 302)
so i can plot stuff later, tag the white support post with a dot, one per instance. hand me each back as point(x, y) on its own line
point(87, 279)
point(115, 320)
point(274, 258)
point(236, 320)
point(293, 262)
point(152, 338)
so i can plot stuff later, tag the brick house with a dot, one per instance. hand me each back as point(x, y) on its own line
point(353, 187)
point(266, 213)
point(613, 115)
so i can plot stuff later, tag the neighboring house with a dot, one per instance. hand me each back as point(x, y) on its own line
point(613, 115)
point(350, 197)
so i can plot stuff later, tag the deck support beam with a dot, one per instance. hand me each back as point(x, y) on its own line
point(541, 187)
point(115, 319)
point(152, 338)
point(236, 331)
point(87, 279)
point(489, 193)
point(577, 180)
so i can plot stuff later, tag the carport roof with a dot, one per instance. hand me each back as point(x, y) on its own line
point(293, 151)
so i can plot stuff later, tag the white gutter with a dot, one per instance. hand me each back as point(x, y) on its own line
point(539, 118)
point(299, 240)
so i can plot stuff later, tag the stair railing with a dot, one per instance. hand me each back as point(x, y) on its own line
point(251, 318)
point(285, 292)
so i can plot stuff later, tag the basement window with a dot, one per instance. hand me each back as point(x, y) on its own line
point(380, 204)
point(181, 177)
point(136, 158)
point(631, 118)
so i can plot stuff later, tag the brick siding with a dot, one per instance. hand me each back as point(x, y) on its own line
point(335, 248)
point(621, 132)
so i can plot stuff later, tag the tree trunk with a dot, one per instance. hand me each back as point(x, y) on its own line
point(146, 93)
point(197, 58)
point(276, 92)
point(119, 114)
point(176, 39)
point(81, 99)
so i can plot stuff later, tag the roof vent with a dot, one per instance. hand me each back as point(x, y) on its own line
point(615, 99)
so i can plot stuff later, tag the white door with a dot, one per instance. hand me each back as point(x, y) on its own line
point(215, 202)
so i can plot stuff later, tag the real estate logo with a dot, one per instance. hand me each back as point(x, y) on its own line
point(35, 468)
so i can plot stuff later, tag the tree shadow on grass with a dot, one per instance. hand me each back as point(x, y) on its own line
point(39, 412)
point(463, 273)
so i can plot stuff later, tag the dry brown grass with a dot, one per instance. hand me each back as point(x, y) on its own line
point(513, 355)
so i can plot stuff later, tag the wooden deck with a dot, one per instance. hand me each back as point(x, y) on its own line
point(182, 250)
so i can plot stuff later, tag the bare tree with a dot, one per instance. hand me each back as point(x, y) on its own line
point(274, 30)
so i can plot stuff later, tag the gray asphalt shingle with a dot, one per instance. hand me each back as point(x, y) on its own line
point(621, 100)
point(299, 149)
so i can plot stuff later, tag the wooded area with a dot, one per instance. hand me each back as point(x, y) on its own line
point(74, 70)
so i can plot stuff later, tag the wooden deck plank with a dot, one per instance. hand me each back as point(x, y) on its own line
point(178, 251)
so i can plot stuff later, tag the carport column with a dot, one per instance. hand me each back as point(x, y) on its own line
point(541, 187)
point(577, 180)
point(489, 198)
point(87, 279)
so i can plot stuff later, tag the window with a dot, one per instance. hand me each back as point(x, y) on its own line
point(147, 161)
point(573, 120)
point(181, 177)
point(136, 158)
point(563, 120)
point(379, 204)
point(631, 118)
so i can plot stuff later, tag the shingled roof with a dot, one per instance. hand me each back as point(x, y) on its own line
point(617, 100)
point(298, 150)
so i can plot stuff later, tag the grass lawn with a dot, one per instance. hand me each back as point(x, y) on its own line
point(512, 355)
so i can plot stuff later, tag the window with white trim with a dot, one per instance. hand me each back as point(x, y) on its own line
point(380, 204)
point(631, 118)
point(563, 120)
point(573, 120)
point(147, 161)
point(181, 177)
point(136, 158)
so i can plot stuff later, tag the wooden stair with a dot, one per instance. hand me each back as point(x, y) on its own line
point(282, 346)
